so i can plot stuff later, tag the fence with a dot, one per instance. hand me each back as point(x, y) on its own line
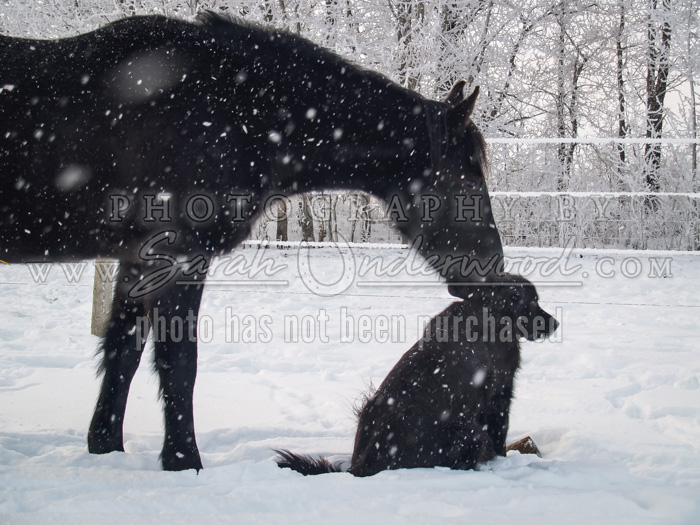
point(621, 220)
point(627, 220)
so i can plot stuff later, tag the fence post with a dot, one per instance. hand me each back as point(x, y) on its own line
point(102, 293)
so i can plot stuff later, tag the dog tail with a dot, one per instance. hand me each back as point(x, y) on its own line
point(306, 465)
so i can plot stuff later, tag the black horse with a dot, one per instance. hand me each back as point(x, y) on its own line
point(156, 142)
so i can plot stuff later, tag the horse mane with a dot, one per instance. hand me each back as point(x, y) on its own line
point(235, 29)
point(478, 148)
point(220, 22)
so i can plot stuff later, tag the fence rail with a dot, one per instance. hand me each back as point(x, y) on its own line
point(591, 140)
point(622, 220)
point(627, 220)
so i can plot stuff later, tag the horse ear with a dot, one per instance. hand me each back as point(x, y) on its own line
point(460, 114)
point(456, 94)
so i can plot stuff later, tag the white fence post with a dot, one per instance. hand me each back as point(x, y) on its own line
point(102, 294)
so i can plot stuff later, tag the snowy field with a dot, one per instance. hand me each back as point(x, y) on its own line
point(613, 400)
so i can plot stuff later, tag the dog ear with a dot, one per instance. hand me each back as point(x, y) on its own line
point(511, 296)
point(516, 301)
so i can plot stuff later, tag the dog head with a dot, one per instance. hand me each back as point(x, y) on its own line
point(516, 298)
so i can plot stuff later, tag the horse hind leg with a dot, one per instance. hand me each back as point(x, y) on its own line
point(122, 348)
point(174, 318)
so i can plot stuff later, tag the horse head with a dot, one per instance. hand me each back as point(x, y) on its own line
point(457, 230)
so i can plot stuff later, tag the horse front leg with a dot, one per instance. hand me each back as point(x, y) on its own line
point(174, 319)
point(122, 348)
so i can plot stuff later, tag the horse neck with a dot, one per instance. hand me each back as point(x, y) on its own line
point(374, 145)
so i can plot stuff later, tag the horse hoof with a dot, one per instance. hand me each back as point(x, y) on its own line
point(102, 443)
point(99, 447)
point(176, 461)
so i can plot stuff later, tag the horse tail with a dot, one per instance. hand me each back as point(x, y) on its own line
point(306, 465)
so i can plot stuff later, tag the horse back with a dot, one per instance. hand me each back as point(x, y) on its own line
point(119, 110)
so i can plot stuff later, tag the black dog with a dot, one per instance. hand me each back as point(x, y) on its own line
point(446, 402)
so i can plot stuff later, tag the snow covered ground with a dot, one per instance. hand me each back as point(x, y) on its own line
point(613, 401)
